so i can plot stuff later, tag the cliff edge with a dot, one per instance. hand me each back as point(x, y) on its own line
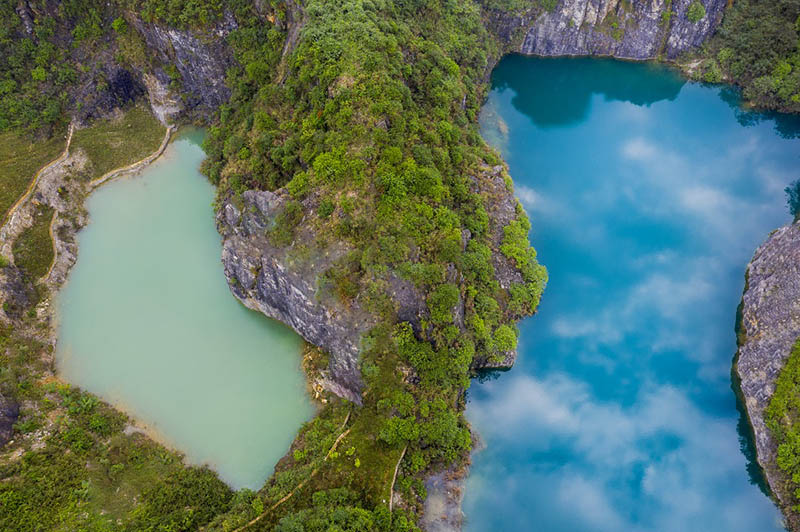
point(627, 29)
point(770, 325)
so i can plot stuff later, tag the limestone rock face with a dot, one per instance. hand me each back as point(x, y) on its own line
point(288, 284)
point(629, 29)
point(201, 59)
point(771, 322)
point(268, 279)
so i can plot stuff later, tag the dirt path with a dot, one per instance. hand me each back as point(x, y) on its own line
point(35, 180)
point(302, 484)
point(394, 478)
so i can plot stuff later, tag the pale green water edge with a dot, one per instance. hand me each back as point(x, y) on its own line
point(146, 321)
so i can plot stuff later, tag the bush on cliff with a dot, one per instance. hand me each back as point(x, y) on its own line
point(782, 417)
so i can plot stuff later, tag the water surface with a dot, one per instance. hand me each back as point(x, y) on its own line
point(148, 323)
point(647, 198)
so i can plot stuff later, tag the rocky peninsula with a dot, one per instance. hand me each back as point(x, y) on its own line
point(770, 326)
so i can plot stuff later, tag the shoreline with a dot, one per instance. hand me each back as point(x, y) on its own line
point(769, 324)
point(43, 327)
point(58, 275)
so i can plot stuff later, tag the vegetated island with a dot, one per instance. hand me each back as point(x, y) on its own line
point(357, 203)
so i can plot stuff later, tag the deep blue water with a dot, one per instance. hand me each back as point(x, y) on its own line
point(647, 197)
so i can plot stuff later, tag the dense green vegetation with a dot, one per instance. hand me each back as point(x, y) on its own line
point(78, 469)
point(758, 48)
point(782, 417)
point(381, 134)
point(21, 156)
point(120, 141)
point(34, 71)
point(696, 12)
point(33, 249)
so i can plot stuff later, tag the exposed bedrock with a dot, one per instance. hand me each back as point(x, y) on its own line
point(771, 325)
point(182, 70)
point(629, 29)
point(287, 283)
point(265, 278)
point(200, 60)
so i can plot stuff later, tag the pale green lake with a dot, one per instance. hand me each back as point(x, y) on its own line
point(146, 321)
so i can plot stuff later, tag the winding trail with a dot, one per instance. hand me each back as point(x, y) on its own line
point(302, 484)
point(94, 183)
point(394, 478)
point(35, 180)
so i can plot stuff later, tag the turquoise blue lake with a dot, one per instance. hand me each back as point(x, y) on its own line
point(647, 197)
point(146, 321)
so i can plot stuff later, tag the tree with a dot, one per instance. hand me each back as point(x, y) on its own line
point(696, 12)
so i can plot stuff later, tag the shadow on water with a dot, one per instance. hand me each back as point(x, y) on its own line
point(747, 438)
point(486, 375)
point(562, 83)
point(786, 126)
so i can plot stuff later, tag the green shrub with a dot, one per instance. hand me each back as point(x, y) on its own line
point(505, 339)
point(696, 12)
point(713, 73)
point(442, 302)
point(782, 417)
point(119, 25)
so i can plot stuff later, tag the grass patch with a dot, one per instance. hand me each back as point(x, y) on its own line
point(782, 417)
point(33, 250)
point(20, 158)
point(120, 141)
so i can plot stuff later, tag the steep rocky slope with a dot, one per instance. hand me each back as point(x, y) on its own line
point(771, 325)
point(290, 288)
point(629, 29)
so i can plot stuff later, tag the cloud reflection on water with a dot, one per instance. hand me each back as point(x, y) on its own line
point(619, 414)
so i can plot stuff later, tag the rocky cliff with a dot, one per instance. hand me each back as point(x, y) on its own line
point(288, 283)
point(288, 288)
point(200, 60)
point(628, 29)
point(181, 70)
point(282, 286)
point(770, 326)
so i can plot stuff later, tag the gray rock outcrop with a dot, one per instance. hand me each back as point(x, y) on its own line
point(266, 278)
point(629, 29)
point(287, 283)
point(200, 59)
point(771, 323)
